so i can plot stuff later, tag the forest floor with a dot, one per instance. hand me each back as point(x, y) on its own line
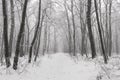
point(62, 67)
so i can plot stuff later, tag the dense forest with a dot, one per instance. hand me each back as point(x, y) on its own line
point(34, 28)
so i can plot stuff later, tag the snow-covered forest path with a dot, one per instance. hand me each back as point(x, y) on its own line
point(56, 67)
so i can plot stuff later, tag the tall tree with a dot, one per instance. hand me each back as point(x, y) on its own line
point(91, 38)
point(36, 32)
point(5, 32)
point(82, 8)
point(19, 37)
point(100, 33)
point(69, 26)
point(110, 31)
point(39, 34)
point(74, 28)
point(45, 36)
point(12, 26)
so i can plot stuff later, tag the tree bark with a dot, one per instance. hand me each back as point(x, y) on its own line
point(5, 33)
point(22, 25)
point(110, 31)
point(74, 29)
point(91, 38)
point(35, 34)
point(100, 33)
point(45, 37)
point(12, 26)
point(39, 36)
point(69, 27)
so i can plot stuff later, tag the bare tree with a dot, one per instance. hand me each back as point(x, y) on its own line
point(82, 10)
point(69, 27)
point(45, 36)
point(5, 33)
point(36, 32)
point(100, 33)
point(110, 31)
point(39, 34)
point(12, 27)
point(91, 38)
point(19, 37)
point(74, 28)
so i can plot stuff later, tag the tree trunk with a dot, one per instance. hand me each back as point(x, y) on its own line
point(100, 34)
point(91, 38)
point(45, 37)
point(110, 31)
point(22, 25)
point(5, 33)
point(74, 31)
point(22, 53)
point(69, 28)
point(36, 31)
point(83, 27)
point(39, 36)
point(12, 27)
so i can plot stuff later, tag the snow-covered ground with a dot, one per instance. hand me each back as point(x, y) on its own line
point(110, 71)
point(59, 66)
